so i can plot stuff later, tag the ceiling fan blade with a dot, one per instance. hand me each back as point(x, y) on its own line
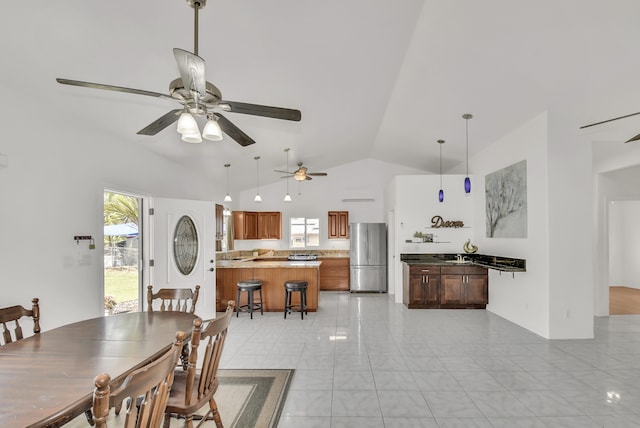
point(233, 131)
point(158, 125)
point(283, 172)
point(317, 174)
point(260, 110)
point(191, 68)
point(112, 88)
point(287, 176)
point(611, 120)
point(636, 138)
point(308, 178)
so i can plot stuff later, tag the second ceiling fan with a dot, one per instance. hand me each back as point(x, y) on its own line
point(302, 173)
point(198, 98)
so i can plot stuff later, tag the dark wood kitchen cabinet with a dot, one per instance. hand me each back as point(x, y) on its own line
point(257, 225)
point(464, 287)
point(422, 286)
point(338, 225)
point(445, 286)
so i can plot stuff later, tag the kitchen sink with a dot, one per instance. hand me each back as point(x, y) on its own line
point(458, 262)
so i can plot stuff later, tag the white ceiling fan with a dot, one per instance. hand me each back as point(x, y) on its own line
point(198, 97)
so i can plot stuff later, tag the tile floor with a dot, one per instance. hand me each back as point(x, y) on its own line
point(364, 361)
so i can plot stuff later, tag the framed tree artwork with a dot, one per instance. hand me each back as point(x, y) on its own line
point(506, 200)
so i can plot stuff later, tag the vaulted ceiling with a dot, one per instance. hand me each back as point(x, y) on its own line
point(377, 79)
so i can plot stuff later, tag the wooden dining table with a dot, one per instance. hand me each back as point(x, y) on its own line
point(47, 379)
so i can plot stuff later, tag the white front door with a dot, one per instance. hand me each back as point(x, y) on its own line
point(179, 260)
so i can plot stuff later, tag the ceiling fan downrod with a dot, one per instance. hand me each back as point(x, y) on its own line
point(196, 5)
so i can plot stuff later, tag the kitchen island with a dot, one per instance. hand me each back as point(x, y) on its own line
point(273, 274)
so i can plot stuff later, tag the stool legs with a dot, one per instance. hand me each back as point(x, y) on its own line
point(238, 304)
point(250, 303)
point(288, 295)
point(261, 309)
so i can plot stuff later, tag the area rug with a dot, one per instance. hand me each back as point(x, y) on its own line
point(251, 398)
point(246, 399)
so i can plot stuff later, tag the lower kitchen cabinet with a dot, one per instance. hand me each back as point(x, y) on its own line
point(464, 287)
point(334, 274)
point(445, 287)
point(422, 286)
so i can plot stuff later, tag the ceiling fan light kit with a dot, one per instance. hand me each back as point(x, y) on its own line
point(212, 131)
point(198, 97)
point(187, 124)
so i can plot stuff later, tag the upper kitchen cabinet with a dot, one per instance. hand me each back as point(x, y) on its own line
point(245, 225)
point(257, 225)
point(338, 225)
point(269, 225)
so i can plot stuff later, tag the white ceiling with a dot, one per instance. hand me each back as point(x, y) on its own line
point(377, 79)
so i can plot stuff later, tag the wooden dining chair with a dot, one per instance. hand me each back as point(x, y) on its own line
point(12, 316)
point(193, 389)
point(173, 299)
point(144, 391)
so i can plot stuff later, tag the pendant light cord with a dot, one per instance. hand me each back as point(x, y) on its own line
point(467, 129)
point(440, 165)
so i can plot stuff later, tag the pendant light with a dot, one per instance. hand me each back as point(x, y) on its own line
point(287, 197)
point(467, 181)
point(441, 192)
point(227, 198)
point(257, 198)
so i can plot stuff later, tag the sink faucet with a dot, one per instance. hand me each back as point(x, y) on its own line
point(459, 258)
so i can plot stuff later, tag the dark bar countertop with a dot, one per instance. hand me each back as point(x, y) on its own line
point(503, 264)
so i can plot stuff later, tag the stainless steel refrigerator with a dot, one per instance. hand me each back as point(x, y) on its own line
point(368, 257)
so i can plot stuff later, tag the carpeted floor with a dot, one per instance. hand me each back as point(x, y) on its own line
point(246, 399)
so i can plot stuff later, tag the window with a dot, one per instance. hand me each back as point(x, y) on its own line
point(304, 232)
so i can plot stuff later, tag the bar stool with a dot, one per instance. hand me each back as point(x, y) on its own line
point(289, 288)
point(250, 286)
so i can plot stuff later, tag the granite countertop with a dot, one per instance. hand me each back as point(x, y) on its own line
point(503, 264)
point(250, 263)
point(267, 254)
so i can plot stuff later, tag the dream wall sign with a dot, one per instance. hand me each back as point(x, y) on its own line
point(506, 199)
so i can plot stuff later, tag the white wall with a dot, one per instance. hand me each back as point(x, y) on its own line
point(624, 247)
point(51, 190)
point(522, 298)
point(313, 199)
point(414, 199)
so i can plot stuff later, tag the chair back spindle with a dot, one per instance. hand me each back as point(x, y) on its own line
point(195, 388)
point(173, 299)
point(10, 319)
point(145, 391)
